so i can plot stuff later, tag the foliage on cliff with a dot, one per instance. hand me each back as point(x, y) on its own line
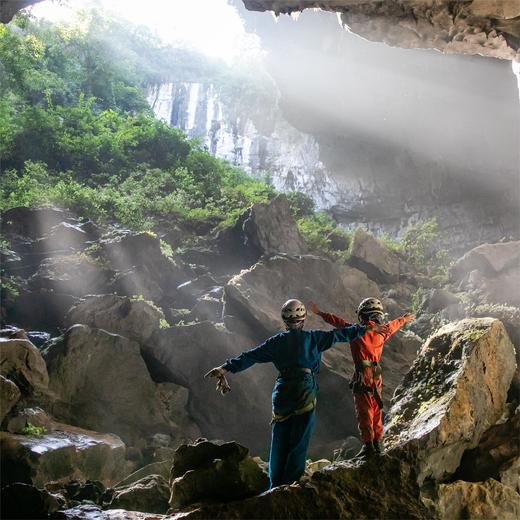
point(76, 130)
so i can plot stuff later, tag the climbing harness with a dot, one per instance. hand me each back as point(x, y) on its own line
point(298, 388)
point(358, 387)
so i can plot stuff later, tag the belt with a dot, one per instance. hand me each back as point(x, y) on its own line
point(291, 371)
point(365, 363)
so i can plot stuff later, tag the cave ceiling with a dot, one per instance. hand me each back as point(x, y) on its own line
point(486, 27)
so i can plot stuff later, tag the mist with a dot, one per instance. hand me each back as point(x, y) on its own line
point(415, 128)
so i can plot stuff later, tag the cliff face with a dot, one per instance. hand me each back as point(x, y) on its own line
point(264, 144)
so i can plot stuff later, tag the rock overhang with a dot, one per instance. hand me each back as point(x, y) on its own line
point(488, 28)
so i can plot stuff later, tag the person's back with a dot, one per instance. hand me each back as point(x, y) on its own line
point(296, 353)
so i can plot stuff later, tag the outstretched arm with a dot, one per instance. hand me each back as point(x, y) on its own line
point(327, 339)
point(332, 319)
point(394, 325)
point(264, 353)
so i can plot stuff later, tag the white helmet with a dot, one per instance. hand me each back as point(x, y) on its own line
point(293, 311)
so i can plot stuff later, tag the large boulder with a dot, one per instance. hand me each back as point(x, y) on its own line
point(149, 495)
point(183, 354)
point(489, 500)
point(9, 396)
point(67, 452)
point(75, 274)
point(130, 317)
point(209, 471)
point(104, 384)
point(143, 268)
point(252, 305)
point(256, 294)
point(455, 390)
point(489, 259)
point(491, 272)
point(264, 229)
point(22, 363)
point(373, 258)
point(30, 223)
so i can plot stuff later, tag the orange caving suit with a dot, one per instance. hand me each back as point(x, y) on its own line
point(369, 348)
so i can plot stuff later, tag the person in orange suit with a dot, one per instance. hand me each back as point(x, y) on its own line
point(367, 382)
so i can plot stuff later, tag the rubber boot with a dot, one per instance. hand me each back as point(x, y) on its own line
point(366, 451)
point(378, 447)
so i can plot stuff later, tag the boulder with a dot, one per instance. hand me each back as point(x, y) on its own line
point(9, 396)
point(264, 229)
point(66, 236)
point(252, 308)
point(41, 310)
point(142, 266)
point(130, 317)
point(31, 223)
point(104, 384)
point(373, 258)
point(209, 471)
point(256, 294)
point(491, 272)
point(161, 468)
point(75, 274)
point(437, 299)
point(149, 495)
point(488, 259)
point(25, 501)
point(350, 490)
point(13, 333)
point(22, 363)
point(497, 456)
point(455, 390)
point(66, 453)
point(489, 500)
point(183, 354)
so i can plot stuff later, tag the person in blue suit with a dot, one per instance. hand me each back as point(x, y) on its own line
point(296, 353)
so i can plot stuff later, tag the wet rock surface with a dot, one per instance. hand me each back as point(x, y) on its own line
point(66, 452)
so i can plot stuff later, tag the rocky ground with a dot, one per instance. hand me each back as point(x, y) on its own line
point(104, 348)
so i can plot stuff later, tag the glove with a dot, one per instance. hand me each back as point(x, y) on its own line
point(222, 383)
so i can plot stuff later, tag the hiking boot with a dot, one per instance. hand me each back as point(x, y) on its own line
point(378, 447)
point(366, 451)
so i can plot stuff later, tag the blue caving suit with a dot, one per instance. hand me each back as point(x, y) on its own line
point(296, 353)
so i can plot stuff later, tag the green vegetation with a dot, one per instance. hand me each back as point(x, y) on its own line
point(421, 247)
point(417, 298)
point(163, 324)
point(36, 431)
point(76, 130)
